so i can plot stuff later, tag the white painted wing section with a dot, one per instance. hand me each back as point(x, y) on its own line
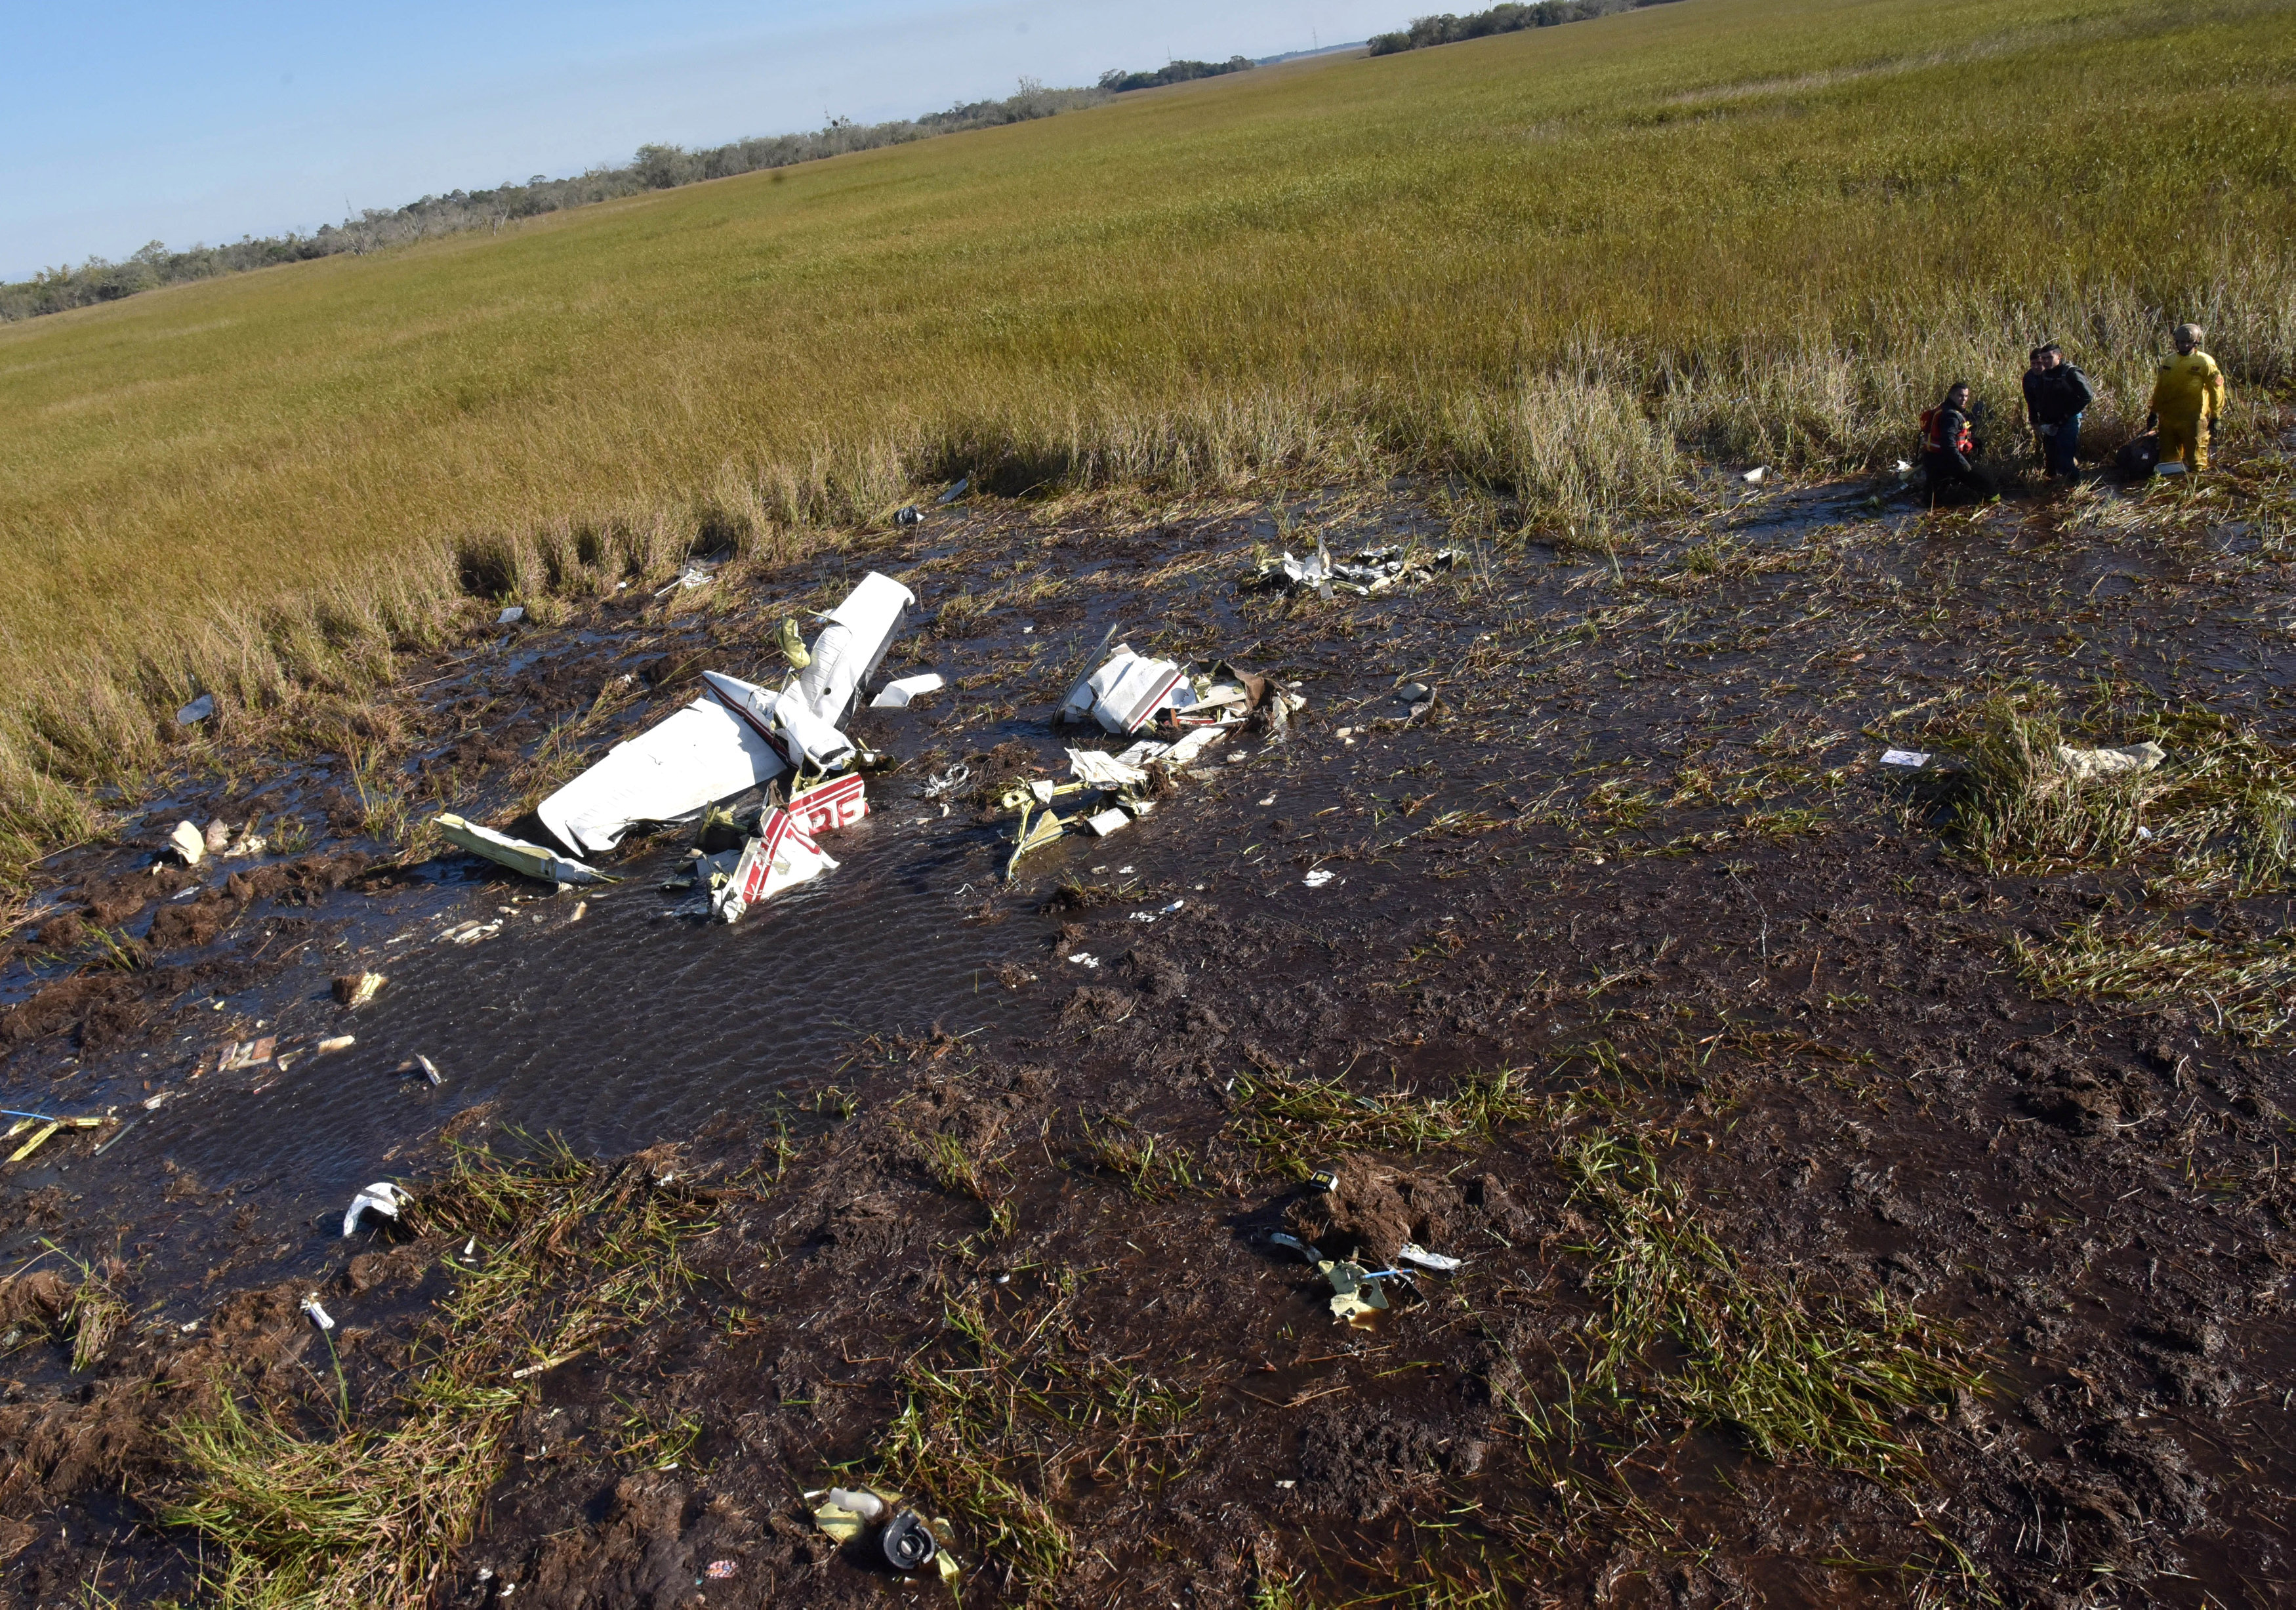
point(860, 631)
point(702, 754)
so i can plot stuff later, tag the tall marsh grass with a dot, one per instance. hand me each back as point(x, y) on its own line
point(1562, 261)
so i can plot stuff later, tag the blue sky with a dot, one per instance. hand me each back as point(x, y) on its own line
point(133, 120)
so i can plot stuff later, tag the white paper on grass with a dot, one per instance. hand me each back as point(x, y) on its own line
point(897, 694)
point(858, 632)
point(703, 753)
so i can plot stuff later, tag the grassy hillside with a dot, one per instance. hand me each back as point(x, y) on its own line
point(1556, 259)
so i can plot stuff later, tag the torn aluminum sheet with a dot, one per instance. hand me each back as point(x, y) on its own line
point(782, 856)
point(1099, 770)
point(356, 990)
point(532, 859)
point(784, 720)
point(2085, 764)
point(381, 1198)
point(317, 1314)
point(198, 711)
point(698, 756)
point(1912, 758)
point(1419, 1257)
point(826, 807)
point(1124, 694)
point(847, 653)
point(900, 694)
point(512, 616)
point(189, 843)
point(1372, 570)
point(1104, 822)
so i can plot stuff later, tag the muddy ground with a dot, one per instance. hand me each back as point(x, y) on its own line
point(994, 1214)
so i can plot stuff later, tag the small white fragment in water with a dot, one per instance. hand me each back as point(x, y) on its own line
point(1318, 878)
point(1238, 758)
point(188, 1327)
point(383, 1197)
point(1753, 476)
point(515, 613)
point(2143, 833)
point(318, 1315)
point(1903, 468)
point(1270, 799)
point(1905, 757)
point(334, 1043)
point(581, 909)
point(1084, 959)
point(152, 1105)
point(1343, 732)
point(199, 709)
point(1287, 1484)
point(188, 843)
point(1411, 1252)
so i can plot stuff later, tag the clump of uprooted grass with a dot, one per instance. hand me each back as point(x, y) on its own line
point(2218, 817)
point(2245, 987)
point(2018, 806)
point(1294, 1122)
point(1793, 1372)
point(300, 1512)
point(1007, 1413)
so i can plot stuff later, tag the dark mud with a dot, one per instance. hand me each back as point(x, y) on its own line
point(991, 1168)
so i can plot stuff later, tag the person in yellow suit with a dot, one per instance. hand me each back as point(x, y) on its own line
point(2188, 398)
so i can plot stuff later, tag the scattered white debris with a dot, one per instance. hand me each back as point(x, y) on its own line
point(381, 1198)
point(512, 616)
point(1319, 877)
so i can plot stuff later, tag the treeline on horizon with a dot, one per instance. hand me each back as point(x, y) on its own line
point(654, 168)
point(667, 166)
point(1449, 29)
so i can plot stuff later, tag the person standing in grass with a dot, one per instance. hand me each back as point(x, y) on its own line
point(2188, 398)
point(1948, 441)
point(2056, 396)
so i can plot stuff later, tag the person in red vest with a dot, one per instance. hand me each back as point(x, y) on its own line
point(1948, 446)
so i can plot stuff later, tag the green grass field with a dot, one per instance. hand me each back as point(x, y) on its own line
point(1560, 260)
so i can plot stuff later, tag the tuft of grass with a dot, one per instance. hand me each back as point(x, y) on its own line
point(2247, 986)
point(1008, 1412)
point(2016, 807)
point(1295, 1123)
point(1790, 1372)
point(303, 1513)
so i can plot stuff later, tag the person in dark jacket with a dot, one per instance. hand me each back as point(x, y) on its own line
point(1947, 445)
point(2056, 396)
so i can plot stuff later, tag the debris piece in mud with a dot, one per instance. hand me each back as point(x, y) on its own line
point(317, 1314)
point(1372, 570)
point(356, 989)
point(1912, 758)
point(249, 844)
point(1099, 770)
point(700, 754)
point(532, 859)
point(948, 782)
point(1419, 1257)
point(471, 933)
point(826, 807)
point(189, 843)
point(1124, 694)
point(1105, 822)
point(246, 1054)
point(2084, 764)
point(719, 1571)
point(860, 1503)
point(198, 711)
point(48, 1127)
point(906, 1543)
point(1034, 834)
point(334, 1043)
point(381, 1198)
point(956, 489)
point(1084, 959)
point(783, 856)
point(1355, 1291)
point(420, 1063)
point(852, 643)
point(1150, 916)
point(512, 616)
point(693, 576)
point(903, 691)
point(1753, 476)
point(908, 514)
point(218, 837)
point(1320, 876)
